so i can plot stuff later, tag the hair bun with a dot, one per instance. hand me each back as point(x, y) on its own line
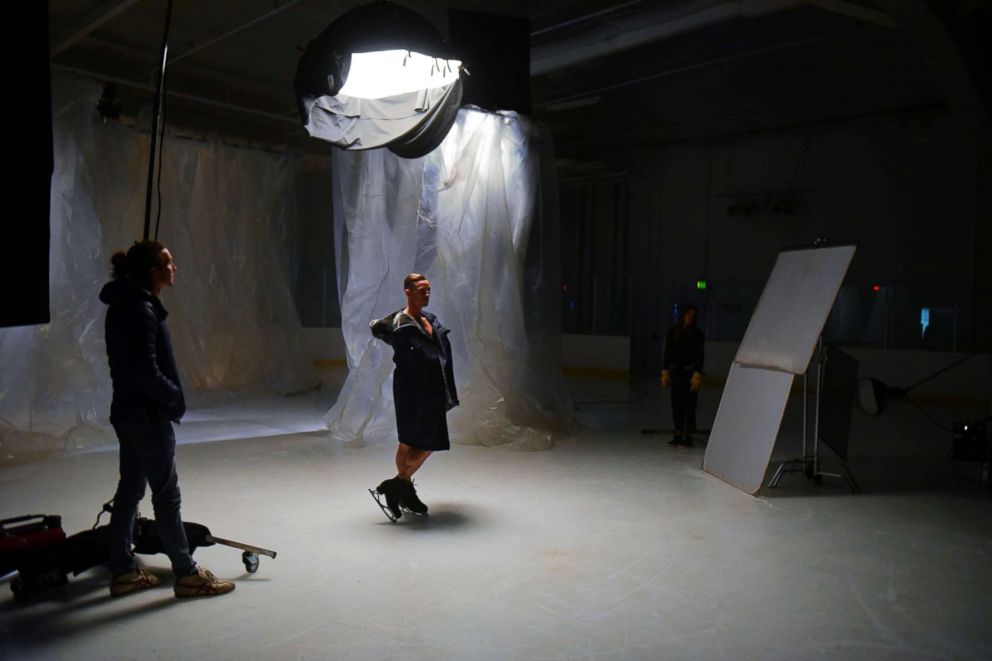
point(119, 264)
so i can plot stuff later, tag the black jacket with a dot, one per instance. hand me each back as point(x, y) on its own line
point(420, 359)
point(142, 365)
point(683, 350)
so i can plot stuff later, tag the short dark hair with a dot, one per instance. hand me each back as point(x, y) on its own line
point(412, 279)
point(135, 264)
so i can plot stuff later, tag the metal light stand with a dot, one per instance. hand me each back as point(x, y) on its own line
point(810, 464)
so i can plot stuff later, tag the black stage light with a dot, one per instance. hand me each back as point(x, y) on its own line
point(873, 396)
point(108, 106)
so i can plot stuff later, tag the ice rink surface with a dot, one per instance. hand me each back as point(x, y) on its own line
point(612, 545)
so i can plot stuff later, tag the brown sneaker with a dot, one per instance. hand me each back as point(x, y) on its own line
point(201, 583)
point(132, 581)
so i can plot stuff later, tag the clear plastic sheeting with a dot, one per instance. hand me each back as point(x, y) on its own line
point(227, 219)
point(476, 216)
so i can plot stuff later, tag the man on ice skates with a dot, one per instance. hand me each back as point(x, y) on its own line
point(423, 392)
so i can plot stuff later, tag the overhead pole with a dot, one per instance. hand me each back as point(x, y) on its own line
point(156, 121)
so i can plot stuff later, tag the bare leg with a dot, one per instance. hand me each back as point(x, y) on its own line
point(409, 460)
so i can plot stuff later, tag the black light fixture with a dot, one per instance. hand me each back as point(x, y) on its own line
point(874, 396)
point(379, 75)
point(109, 106)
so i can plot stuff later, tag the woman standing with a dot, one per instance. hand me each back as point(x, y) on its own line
point(148, 398)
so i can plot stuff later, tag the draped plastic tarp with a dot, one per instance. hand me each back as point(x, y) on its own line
point(228, 219)
point(477, 217)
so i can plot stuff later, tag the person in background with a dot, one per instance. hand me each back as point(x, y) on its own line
point(682, 370)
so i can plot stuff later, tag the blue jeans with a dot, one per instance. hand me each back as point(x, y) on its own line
point(148, 455)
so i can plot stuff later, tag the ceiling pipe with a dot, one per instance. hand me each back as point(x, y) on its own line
point(873, 16)
point(563, 102)
point(91, 21)
point(585, 18)
point(210, 42)
point(289, 118)
point(214, 75)
point(635, 30)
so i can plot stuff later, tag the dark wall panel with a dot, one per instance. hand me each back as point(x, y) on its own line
point(496, 51)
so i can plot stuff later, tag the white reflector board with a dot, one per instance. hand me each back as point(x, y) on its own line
point(793, 308)
point(746, 425)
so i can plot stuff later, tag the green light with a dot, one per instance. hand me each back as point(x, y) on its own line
point(700, 284)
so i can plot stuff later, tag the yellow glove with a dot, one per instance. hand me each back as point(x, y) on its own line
point(666, 379)
point(696, 381)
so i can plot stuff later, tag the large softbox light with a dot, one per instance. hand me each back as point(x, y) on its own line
point(412, 117)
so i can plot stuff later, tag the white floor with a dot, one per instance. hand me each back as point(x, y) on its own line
point(610, 546)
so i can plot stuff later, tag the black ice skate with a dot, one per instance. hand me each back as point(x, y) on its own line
point(388, 490)
point(409, 500)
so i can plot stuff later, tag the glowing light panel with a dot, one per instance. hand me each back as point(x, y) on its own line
point(389, 73)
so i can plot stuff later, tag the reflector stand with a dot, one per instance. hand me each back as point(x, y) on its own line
point(810, 463)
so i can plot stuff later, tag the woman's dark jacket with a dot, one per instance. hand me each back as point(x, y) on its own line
point(142, 365)
point(424, 377)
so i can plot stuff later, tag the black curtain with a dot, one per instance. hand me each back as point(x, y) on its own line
point(27, 115)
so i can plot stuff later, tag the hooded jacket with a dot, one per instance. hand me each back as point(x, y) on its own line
point(142, 364)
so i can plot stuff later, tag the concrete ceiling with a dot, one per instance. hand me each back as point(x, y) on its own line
point(605, 76)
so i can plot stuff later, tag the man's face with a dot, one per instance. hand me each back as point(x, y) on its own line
point(690, 317)
point(420, 292)
point(165, 274)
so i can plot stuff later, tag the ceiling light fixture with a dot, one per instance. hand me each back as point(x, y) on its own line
point(392, 72)
point(379, 75)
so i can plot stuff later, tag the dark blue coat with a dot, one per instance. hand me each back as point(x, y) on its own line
point(423, 378)
point(142, 365)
